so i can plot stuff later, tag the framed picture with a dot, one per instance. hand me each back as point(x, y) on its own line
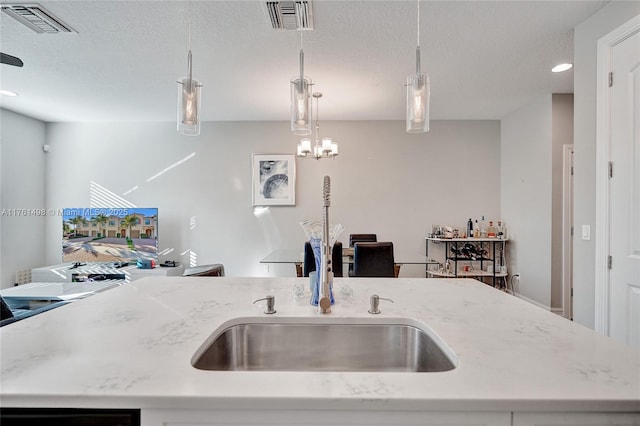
point(274, 180)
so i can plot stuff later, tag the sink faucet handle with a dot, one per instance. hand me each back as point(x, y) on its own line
point(271, 303)
point(375, 303)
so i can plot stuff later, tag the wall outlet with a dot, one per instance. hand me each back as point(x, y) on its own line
point(23, 277)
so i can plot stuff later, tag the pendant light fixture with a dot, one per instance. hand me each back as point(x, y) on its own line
point(418, 94)
point(301, 100)
point(189, 97)
point(324, 148)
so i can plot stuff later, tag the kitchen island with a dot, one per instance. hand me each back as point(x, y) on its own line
point(131, 347)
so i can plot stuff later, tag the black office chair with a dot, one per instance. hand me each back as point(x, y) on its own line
point(355, 238)
point(309, 264)
point(373, 260)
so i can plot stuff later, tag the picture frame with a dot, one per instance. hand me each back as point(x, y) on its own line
point(274, 179)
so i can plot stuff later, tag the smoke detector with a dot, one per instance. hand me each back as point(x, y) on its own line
point(37, 18)
point(290, 15)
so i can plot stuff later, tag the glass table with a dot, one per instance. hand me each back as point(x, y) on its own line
point(296, 257)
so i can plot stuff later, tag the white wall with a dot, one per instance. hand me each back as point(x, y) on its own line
point(22, 171)
point(586, 36)
point(526, 178)
point(384, 181)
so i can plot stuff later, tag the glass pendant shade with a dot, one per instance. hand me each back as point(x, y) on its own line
point(326, 145)
point(418, 100)
point(189, 104)
point(304, 147)
point(301, 105)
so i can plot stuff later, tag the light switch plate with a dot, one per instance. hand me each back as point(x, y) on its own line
point(586, 232)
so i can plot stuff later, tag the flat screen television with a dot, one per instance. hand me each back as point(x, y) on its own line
point(124, 235)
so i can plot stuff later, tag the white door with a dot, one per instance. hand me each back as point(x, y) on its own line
point(624, 192)
point(567, 232)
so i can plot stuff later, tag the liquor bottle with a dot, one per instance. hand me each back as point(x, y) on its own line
point(476, 230)
point(500, 230)
point(469, 228)
point(491, 230)
point(483, 229)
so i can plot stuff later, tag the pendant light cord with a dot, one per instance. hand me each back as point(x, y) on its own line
point(189, 26)
point(418, 41)
point(301, 63)
point(317, 122)
point(418, 36)
point(189, 60)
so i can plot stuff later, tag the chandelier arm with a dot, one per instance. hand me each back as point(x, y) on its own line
point(317, 152)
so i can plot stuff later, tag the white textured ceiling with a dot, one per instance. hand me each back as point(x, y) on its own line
point(485, 58)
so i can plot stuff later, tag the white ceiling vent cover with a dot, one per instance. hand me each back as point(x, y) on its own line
point(37, 18)
point(290, 15)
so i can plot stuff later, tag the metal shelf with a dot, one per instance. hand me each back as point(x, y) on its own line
point(497, 247)
point(462, 274)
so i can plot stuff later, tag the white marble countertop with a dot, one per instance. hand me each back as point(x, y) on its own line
point(131, 347)
point(59, 290)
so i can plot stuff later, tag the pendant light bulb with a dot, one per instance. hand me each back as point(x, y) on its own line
point(418, 94)
point(301, 100)
point(189, 99)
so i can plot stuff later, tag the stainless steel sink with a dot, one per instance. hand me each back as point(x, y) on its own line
point(337, 344)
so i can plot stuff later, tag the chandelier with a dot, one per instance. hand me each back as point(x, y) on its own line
point(323, 148)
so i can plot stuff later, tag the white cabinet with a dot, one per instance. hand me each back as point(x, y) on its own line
point(370, 417)
point(576, 419)
point(379, 418)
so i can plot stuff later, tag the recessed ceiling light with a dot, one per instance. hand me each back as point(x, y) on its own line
point(561, 67)
point(8, 93)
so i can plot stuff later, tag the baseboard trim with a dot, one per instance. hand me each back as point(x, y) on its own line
point(558, 311)
point(533, 302)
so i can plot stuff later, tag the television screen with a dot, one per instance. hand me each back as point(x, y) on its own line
point(109, 234)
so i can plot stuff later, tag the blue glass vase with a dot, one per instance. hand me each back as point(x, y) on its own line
point(316, 246)
point(316, 282)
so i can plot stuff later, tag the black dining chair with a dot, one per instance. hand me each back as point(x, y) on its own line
point(355, 238)
point(309, 264)
point(373, 260)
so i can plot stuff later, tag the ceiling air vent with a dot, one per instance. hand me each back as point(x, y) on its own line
point(290, 15)
point(37, 18)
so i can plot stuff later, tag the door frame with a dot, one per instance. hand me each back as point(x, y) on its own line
point(603, 128)
point(567, 231)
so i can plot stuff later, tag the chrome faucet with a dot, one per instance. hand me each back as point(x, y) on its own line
point(326, 275)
